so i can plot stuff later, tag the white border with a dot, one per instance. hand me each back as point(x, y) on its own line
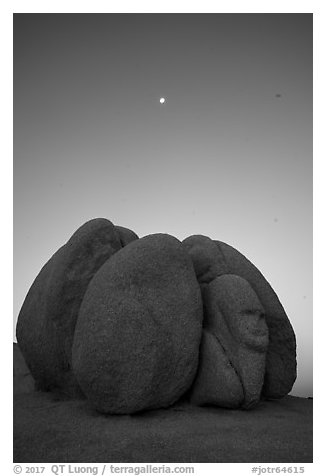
point(7, 9)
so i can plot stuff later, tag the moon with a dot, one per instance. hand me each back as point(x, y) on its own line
point(162, 100)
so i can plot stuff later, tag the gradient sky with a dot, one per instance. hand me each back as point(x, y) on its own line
point(229, 154)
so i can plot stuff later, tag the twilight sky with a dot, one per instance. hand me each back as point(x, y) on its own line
point(229, 154)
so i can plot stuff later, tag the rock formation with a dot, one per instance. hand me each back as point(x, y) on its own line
point(137, 323)
point(281, 366)
point(213, 259)
point(47, 320)
point(233, 350)
point(139, 327)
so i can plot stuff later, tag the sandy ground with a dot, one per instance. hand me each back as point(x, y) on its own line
point(49, 430)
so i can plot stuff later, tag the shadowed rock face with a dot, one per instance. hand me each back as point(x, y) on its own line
point(47, 320)
point(217, 382)
point(126, 236)
point(137, 338)
point(23, 380)
point(234, 318)
point(281, 355)
point(210, 263)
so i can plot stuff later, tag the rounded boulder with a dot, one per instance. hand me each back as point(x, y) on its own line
point(234, 345)
point(46, 322)
point(138, 333)
point(281, 364)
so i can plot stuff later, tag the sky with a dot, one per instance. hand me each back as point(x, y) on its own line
point(228, 155)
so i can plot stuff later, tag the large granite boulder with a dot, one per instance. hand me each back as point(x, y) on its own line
point(281, 362)
point(47, 320)
point(137, 338)
point(118, 319)
point(233, 349)
point(209, 263)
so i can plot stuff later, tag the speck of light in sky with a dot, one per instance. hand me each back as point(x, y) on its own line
point(162, 100)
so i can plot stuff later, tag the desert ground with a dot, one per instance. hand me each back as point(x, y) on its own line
point(48, 428)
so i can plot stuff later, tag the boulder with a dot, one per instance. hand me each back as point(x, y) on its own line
point(137, 337)
point(281, 355)
point(236, 353)
point(47, 320)
point(210, 262)
point(126, 236)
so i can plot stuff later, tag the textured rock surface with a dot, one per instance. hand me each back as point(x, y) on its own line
point(126, 236)
point(217, 382)
point(137, 337)
point(48, 316)
point(209, 263)
point(281, 356)
point(118, 319)
point(23, 380)
point(235, 319)
point(207, 260)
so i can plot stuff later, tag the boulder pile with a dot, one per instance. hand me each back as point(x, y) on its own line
point(134, 324)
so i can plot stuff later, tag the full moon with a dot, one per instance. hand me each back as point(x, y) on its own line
point(162, 100)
